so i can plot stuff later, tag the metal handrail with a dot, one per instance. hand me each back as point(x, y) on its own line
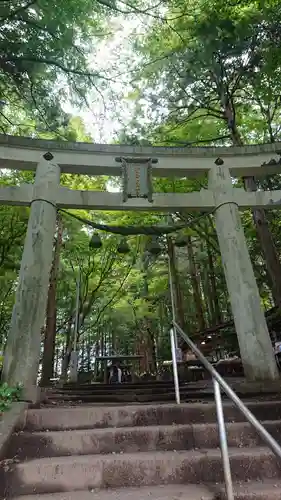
point(219, 383)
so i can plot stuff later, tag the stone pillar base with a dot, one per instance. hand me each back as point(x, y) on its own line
point(32, 394)
point(263, 387)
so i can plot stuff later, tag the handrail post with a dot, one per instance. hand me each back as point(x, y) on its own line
point(223, 442)
point(175, 365)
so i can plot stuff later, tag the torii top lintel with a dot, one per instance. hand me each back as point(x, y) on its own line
point(100, 159)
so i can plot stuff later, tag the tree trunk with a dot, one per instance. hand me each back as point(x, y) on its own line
point(89, 354)
point(67, 353)
point(51, 314)
point(217, 319)
point(143, 349)
point(102, 353)
point(178, 300)
point(195, 287)
point(267, 244)
point(151, 350)
point(56, 361)
point(83, 353)
point(97, 352)
point(206, 295)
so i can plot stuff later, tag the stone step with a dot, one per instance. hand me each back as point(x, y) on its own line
point(134, 439)
point(269, 489)
point(119, 388)
point(132, 396)
point(251, 490)
point(143, 394)
point(124, 386)
point(85, 417)
point(125, 397)
point(162, 391)
point(165, 492)
point(53, 475)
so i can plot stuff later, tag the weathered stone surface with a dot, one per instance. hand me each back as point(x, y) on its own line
point(86, 417)
point(203, 200)
point(47, 475)
point(99, 159)
point(253, 337)
point(133, 439)
point(114, 447)
point(255, 490)
point(22, 352)
point(163, 492)
point(9, 421)
point(94, 441)
point(250, 490)
point(157, 391)
point(259, 387)
point(32, 394)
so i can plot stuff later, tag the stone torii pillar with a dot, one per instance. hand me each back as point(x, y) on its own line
point(22, 353)
point(253, 337)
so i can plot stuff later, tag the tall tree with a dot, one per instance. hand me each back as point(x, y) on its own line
point(51, 313)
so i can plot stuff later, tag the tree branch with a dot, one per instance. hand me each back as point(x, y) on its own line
point(51, 62)
point(20, 9)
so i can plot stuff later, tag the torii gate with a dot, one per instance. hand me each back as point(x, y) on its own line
point(50, 158)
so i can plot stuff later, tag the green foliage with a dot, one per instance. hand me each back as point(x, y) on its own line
point(46, 46)
point(211, 70)
point(8, 395)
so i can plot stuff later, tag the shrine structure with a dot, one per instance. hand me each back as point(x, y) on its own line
point(137, 166)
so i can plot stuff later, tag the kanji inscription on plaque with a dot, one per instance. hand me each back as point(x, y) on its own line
point(137, 177)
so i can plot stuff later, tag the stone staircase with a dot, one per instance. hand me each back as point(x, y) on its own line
point(141, 392)
point(140, 452)
point(149, 391)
